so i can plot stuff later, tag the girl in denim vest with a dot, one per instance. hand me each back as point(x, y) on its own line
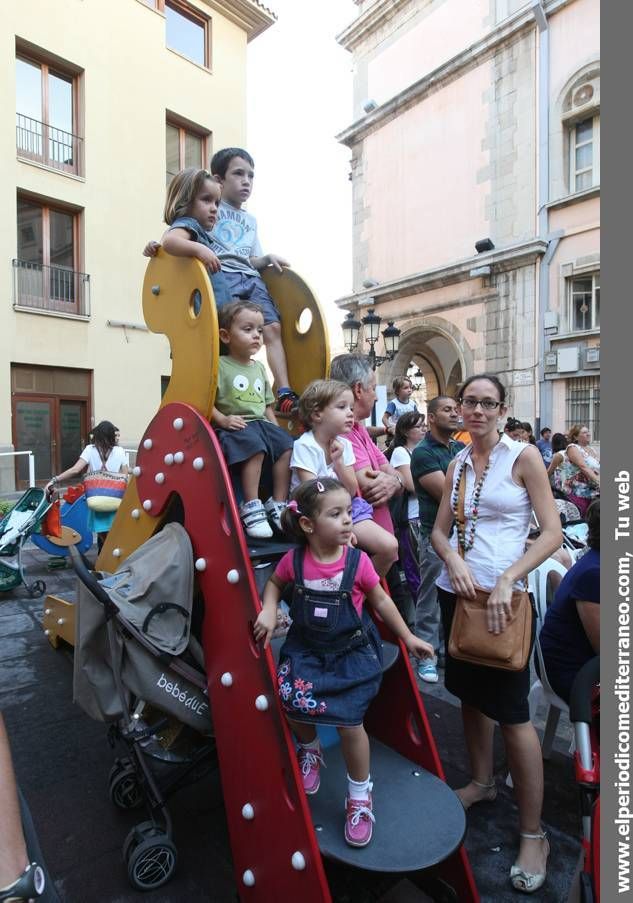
point(330, 665)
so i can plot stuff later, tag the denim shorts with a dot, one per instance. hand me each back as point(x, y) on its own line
point(221, 291)
point(251, 288)
point(361, 510)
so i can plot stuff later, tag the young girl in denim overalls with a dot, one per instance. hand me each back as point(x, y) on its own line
point(330, 665)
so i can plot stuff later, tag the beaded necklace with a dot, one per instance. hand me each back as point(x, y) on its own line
point(467, 543)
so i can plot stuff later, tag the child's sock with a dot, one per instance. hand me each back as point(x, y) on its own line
point(313, 744)
point(359, 790)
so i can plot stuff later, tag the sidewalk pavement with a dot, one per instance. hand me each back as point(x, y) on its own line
point(62, 760)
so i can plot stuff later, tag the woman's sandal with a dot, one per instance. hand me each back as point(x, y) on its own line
point(489, 797)
point(526, 881)
point(28, 886)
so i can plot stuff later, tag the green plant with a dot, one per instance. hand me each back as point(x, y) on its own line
point(5, 507)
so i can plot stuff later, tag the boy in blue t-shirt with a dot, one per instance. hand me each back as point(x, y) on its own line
point(401, 404)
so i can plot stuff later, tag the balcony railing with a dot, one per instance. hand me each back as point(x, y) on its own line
point(50, 288)
point(46, 144)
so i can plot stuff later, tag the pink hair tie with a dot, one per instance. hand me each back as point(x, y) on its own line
point(292, 506)
point(320, 486)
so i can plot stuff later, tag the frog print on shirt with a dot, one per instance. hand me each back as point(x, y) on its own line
point(243, 391)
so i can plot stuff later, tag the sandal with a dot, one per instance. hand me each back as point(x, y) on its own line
point(28, 886)
point(528, 882)
point(489, 797)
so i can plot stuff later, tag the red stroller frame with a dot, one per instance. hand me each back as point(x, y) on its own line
point(584, 713)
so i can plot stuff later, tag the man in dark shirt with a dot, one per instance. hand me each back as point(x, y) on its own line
point(544, 445)
point(429, 463)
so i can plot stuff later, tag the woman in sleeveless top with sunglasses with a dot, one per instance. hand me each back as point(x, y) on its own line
point(504, 481)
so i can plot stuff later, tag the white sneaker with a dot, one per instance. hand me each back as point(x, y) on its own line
point(427, 671)
point(253, 515)
point(274, 510)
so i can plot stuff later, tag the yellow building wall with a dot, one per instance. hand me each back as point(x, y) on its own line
point(130, 80)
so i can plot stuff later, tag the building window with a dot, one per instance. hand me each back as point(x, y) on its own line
point(584, 164)
point(46, 271)
point(584, 303)
point(583, 403)
point(184, 147)
point(46, 116)
point(187, 31)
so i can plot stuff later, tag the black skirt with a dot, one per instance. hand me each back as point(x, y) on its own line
point(257, 436)
point(501, 695)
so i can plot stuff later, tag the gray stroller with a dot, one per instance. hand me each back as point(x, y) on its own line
point(139, 667)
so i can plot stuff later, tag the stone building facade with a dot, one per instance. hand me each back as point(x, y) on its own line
point(474, 120)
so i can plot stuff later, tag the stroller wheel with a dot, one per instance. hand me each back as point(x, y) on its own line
point(152, 863)
point(37, 589)
point(123, 786)
point(143, 831)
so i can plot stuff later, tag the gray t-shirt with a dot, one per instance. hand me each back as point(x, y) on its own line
point(234, 239)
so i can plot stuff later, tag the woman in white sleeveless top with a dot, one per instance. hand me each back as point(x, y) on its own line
point(505, 480)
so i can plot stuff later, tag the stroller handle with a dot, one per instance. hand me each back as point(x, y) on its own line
point(89, 580)
point(580, 698)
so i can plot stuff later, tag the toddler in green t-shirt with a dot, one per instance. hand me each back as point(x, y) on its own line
point(245, 421)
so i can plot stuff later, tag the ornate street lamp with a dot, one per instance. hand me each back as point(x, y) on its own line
point(371, 329)
point(351, 328)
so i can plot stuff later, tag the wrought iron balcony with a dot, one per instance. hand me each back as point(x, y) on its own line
point(50, 288)
point(46, 144)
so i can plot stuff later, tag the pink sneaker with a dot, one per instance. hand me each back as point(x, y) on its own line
point(359, 821)
point(310, 761)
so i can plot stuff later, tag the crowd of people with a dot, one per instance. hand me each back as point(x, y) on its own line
point(449, 505)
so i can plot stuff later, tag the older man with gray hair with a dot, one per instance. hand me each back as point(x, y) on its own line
point(377, 479)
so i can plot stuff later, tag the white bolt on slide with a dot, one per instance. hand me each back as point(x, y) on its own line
point(136, 513)
point(136, 471)
point(179, 457)
point(48, 611)
point(168, 459)
point(116, 553)
point(147, 444)
point(233, 576)
point(147, 505)
point(248, 812)
point(227, 679)
point(61, 621)
point(178, 423)
point(198, 463)
point(47, 632)
point(159, 478)
point(201, 564)
point(298, 861)
point(261, 703)
point(248, 878)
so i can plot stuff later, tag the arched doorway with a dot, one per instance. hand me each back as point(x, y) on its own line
point(438, 349)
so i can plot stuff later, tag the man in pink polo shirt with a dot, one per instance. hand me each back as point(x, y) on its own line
point(377, 479)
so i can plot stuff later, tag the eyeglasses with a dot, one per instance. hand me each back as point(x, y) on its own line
point(487, 404)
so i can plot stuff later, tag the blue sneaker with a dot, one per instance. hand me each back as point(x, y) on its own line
point(427, 670)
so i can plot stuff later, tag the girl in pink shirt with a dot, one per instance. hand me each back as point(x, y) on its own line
point(330, 665)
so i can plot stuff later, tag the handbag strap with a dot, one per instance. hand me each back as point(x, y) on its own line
point(103, 463)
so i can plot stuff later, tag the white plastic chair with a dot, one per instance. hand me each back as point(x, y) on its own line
point(541, 688)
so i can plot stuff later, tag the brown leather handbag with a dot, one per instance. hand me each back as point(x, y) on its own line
point(471, 641)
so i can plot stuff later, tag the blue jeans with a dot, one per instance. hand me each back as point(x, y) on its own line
point(252, 288)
